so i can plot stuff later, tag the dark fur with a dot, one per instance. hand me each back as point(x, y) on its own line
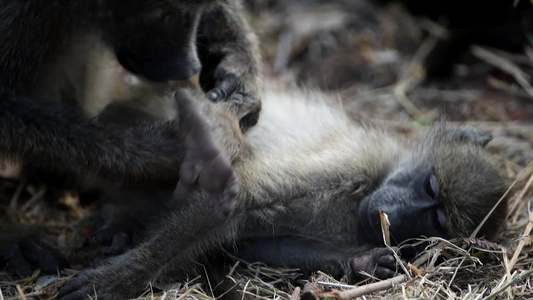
point(312, 182)
point(49, 51)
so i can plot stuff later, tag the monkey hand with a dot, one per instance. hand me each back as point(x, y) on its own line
point(113, 242)
point(380, 263)
point(114, 280)
point(204, 161)
point(23, 255)
point(233, 82)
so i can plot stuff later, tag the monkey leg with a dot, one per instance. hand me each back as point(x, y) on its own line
point(23, 250)
point(228, 50)
point(310, 256)
point(188, 234)
point(204, 162)
point(126, 217)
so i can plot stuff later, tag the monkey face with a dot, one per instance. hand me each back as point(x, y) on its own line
point(156, 39)
point(438, 191)
point(412, 201)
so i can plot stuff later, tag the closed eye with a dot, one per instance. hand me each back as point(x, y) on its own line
point(441, 220)
point(432, 186)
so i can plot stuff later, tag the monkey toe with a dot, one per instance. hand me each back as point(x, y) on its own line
point(220, 181)
point(12, 255)
point(48, 259)
point(23, 256)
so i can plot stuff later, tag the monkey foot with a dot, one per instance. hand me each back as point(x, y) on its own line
point(24, 255)
point(204, 163)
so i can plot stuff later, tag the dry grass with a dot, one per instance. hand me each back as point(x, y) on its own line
point(376, 68)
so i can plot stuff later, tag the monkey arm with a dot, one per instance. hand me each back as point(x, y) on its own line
point(310, 256)
point(53, 136)
point(229, 53)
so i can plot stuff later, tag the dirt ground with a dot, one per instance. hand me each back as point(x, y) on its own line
point(372, 58)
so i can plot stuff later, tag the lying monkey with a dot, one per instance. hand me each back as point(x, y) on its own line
point(312, 183)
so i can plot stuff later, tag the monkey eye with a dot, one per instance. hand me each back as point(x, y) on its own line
point(441, 220)
point(432, 186)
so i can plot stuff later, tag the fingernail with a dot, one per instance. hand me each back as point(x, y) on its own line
point(212, 95)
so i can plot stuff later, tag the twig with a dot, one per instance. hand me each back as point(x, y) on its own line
point(295, 294)
point(30, 203)
point(413, 76)
point(520, 76)
point(22, 296)
point(516, 280)
point(527, 231)
point(336, 285)
point(364, 289)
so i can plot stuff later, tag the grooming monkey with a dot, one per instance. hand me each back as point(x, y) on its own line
point(54, 95)
point(312, 182)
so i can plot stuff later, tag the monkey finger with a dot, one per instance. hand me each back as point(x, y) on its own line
point(387, 261)
point(249, 108)
point(120, 243)
point(379, 262)
point(244, 102)
point(384, 273)
point(102, 236)
point(217, 94)
point(225, 84)
point(79, 287)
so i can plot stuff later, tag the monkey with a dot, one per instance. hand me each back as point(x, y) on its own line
point(312, 183)
point(53, 86)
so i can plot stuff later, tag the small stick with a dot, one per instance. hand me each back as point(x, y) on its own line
point(527, 231)
point(22, 296)
point(476, 231)
point(504, 64)
point(296, 294)
point(364, 289)
point(516, 280)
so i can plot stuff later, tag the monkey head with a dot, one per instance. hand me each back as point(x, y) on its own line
point(155, 39)
point(444, 189)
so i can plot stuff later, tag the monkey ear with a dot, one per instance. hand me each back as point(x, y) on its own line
point(468, 135)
